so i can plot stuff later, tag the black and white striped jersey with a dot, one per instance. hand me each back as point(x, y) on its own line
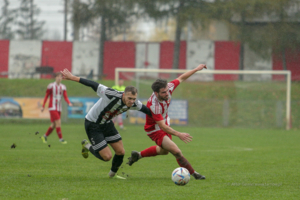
point(109, 105)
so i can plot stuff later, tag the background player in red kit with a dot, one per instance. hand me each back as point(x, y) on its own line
point(55, 91)
point(158, 125)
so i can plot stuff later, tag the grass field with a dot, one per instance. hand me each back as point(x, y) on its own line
point(238, 164)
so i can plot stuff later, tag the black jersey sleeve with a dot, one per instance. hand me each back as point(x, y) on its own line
point(89, 83)
point(145, 110)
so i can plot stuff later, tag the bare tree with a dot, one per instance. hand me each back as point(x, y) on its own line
point(6, 20)
point(28, 25)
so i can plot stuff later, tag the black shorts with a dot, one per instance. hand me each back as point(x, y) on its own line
point(100, 135)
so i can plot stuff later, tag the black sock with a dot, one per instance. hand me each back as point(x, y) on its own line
point(96, 154)
point(117, 162)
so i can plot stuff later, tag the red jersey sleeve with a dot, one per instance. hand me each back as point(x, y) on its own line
point(66, 97)
point(173, 85)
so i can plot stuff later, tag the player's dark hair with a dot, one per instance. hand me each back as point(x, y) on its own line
point(131, 89)
point(57, 74)
point(158, 84)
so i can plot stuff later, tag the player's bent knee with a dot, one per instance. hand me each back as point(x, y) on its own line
point(176, 152)
point(106, 157)
point(120, 152)
point(163, 152)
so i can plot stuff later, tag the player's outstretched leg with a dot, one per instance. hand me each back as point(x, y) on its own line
point(135, 156)
point(149, 152)
point(85, 148)
point(117, 159)
point(183, 162)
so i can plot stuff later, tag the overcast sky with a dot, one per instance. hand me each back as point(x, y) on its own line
point(51, 13)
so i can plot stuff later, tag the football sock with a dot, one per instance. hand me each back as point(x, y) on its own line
point(121, 124)
point(151, 151)
point(116, 162)
point(49, 131)
point(111, 173)
point(183, 162)
point(88, 145)
point(58, 131)
point(96, 154)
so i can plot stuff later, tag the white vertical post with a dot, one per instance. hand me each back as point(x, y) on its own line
point(117, 76)
point(288, 101)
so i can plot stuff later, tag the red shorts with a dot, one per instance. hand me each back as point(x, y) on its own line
point(158, 136)
point(54, 115)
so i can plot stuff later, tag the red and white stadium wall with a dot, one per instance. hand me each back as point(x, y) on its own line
point(18, 59)
point(4, 53)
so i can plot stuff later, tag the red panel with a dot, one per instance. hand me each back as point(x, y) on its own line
point(4, 53)
point(277, 65)
point(292, 64)
point(118, 54)
point(227, 57)
point(167, 54)
point(57, 55)
point(182, 55)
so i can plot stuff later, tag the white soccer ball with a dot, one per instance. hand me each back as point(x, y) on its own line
point(181, 176)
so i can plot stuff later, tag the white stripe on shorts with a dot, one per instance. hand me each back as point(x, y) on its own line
point(99, 145)
point(112, 138)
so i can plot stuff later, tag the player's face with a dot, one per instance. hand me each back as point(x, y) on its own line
point(58, 78)
point(163, 94)
point(121, 82)
point(129, 98)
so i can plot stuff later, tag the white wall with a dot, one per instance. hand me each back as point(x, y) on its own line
point(201, 52)
point(253, 61)
point(147, 52)
point(85, 58)
point(24, 57)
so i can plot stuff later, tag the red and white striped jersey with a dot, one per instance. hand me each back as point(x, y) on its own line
point(56, 92)
point(159, 109)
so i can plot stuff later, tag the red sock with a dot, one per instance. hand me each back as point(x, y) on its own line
point(58, 131)
point(151, 151)
point(183, 162)
point(49, 131)
point(120, 120)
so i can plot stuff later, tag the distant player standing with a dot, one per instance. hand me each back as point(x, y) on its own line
point(118, 118)
point(99, 128)
point(158, 126)
point(55, 91)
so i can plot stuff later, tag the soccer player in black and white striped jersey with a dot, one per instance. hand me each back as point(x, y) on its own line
point(98, 125)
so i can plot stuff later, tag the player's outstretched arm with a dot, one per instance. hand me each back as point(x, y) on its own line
point(186, 75)
point(145, 110)
point(185, 137)
point(67, 75)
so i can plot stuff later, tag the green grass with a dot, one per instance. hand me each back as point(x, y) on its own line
point(238, 164)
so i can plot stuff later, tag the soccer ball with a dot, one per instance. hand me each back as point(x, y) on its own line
point(181, 176)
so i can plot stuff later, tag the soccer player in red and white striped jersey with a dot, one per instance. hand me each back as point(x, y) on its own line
point(55, 92)
point(158, 125)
